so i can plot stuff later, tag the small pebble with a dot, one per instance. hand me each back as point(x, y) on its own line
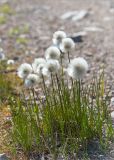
point(112, 153)
point(80, 15)
point(89, 54)
point(93, 29)
point(68, 15)
point(75, 15)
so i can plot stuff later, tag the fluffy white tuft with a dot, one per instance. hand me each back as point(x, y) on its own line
point(31, 80)
point(45, 72)
point(52, 53)
point(37, 62)
point(58, 36)
point(10, 62)
point(77, 68)
point(24, 70)
point(42, 70)
point(67, 45)
point(53, 66)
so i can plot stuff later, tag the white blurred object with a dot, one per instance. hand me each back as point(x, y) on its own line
point(112, 103)
point(75, 15)
point(112, 115)
point(80, 15)
point(81, 33)
point(68, 15)
point(107, 19)
point(112, 10)
point(93, 29)
point(10, 62)
point(2, 55)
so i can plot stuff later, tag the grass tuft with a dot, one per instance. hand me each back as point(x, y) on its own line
point(3, 19)
point(16, 31)
point(65, 121)
point(6, 9)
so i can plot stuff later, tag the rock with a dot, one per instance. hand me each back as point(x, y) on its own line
point(112, 153)
point(93, 29)
point(68, 15)
point(107, 19)
point(15, 58)
point(46, 38)
point(75, 15)
point(46, 7)
point(3, 157)
point(112, 10)
point(80, 15)
point(4, 1)
point(82, 33)
point(112, 5)
point(89, 54)
point(101, 157)
point(78, 37)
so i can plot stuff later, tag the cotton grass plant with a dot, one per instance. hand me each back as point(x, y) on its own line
point(57, 113)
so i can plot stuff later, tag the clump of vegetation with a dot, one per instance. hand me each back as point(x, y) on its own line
point(16, 31)
point(19, 33)
point(6, 9)
point(3, 19)
point(57, 113)
point(22, 40)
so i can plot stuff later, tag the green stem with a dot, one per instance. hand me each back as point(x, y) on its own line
point(69, 56)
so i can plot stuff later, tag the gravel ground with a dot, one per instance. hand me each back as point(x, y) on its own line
point(44, 17)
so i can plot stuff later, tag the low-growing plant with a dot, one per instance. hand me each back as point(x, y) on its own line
point(58, 113)
point(16, 31)
point(3, 19)
point(22, 40)
point(6, 9)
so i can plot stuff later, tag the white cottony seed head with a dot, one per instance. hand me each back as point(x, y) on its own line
point(53, 66)
point(31, 80)
point(42, 70)
point(77, 68)
point(37, 62)
point(39, 68)
point(10, 62)
point(58, 36)
point(67, 45)
point(52, 53)
point(24, 70)
point(45, 72)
